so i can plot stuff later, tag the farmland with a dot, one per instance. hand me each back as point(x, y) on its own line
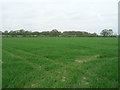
point(60, 62)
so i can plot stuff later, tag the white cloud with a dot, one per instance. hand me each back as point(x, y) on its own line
point(89, 15)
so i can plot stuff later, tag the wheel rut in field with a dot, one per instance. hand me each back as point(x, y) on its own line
point(36, 67)
point(29, 53)
point(25, 60)
point(32, 54)
point(87, 59)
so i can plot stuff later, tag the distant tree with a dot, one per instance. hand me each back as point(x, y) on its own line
point(21, 31)
point(75, 33)
point(106, 32)
point(45, 33)
point(55, 32)
point(110, 31)
point(27, 32)
point(35, 33)
point(11, 32)
point(5, 32)
point(94, 34)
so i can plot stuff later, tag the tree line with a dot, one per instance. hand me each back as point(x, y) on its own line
point(54, 33)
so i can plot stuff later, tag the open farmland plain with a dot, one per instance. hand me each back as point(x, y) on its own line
point(59, 62)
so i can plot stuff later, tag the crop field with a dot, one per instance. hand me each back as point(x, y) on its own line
point(60, 62)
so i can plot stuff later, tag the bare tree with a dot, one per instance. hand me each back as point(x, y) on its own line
point(106, 32)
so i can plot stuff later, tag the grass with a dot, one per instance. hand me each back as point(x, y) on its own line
point(59, 62)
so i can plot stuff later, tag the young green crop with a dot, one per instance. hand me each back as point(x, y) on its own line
point(58, 62)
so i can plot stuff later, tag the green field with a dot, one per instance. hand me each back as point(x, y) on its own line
point(59, 62)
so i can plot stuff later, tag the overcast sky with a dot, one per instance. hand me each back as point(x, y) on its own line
point(42, 15)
